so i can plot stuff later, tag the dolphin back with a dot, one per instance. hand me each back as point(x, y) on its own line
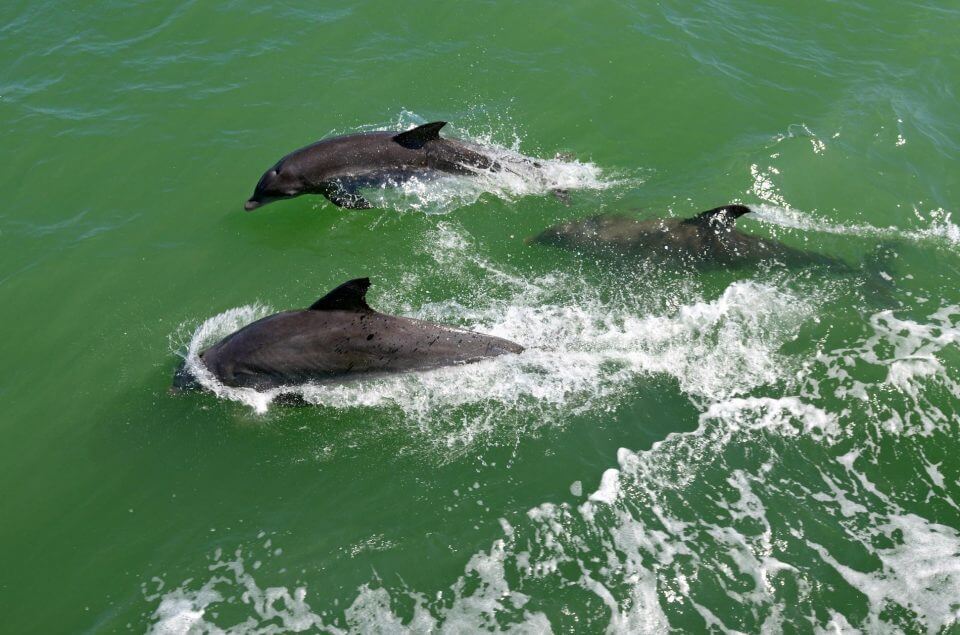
point(708, 239)
point(341, 337)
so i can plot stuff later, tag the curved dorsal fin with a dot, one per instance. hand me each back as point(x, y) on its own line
point(722, 216)
point(415, 138)
point(349, 296)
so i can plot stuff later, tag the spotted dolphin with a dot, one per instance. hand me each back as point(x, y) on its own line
point(338, 337)
point(339, 167)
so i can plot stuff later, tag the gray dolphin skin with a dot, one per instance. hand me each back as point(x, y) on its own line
point(709, 238)
point(338, 338)
point(340, 166)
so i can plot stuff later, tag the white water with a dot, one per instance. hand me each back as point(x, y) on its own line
point(639, 546)
point(939, 226)
point(707, 519)
point(935, 226)
point(636, 543)
point(581, 353)
point(521, 174)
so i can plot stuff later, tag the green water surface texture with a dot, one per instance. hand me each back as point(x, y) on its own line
point(715, 450)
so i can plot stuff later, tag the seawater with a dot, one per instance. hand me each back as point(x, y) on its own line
point(756, 450)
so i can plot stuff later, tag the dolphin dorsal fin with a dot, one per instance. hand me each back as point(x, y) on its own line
point(722, 216)
point(417, 137)
point(349, 296)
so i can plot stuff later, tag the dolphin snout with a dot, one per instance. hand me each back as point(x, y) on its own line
point(183, 380)
point(251, 205)
point(548, 236)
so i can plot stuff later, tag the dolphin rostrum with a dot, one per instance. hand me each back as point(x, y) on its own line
point(708, 238)
point(340, 166)
point(339, 337)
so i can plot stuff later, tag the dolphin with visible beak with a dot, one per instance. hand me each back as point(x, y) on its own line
point(339, 167)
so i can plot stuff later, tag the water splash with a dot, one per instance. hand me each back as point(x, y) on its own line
point(706, 524)
point(521, 175)
point(940, 227)
point(581, 352)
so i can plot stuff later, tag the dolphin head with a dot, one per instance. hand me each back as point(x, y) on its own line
point(559, 235)
point(277, 183)
point(550, 236)
point(184, 380)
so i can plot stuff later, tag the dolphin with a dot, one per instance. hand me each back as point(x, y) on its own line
point(709, 238)
point(339, 167)
point(338, 337)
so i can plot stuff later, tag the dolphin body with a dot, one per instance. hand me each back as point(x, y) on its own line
point(338, 338)
point(709, 238)
point(340, 166)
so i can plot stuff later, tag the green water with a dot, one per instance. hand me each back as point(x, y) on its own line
point(720, 450)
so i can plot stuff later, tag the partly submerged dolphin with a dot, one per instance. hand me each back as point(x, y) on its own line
point(337, 338)
point(338, 167)
point(708, 238)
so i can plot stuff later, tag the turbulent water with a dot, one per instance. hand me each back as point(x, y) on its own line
point(760, 449)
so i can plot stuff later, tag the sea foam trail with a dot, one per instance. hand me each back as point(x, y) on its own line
point(750, 531)
point(576, 354)
point(582, 352)
point(940, 227)
point(723, 535)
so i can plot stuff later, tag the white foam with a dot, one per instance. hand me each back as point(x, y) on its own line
point(940, 228)
point(907, 353)
point(183, 610)
point(609, 488)
point(788, 416)
point(714, 519)
point(797, 130)
point(639, 546)
point(581, 354)
point(649, 533)
point(920, 572)
point(210, 332)
point(521, 175)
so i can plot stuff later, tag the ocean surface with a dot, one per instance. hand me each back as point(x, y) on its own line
point(759, 449)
